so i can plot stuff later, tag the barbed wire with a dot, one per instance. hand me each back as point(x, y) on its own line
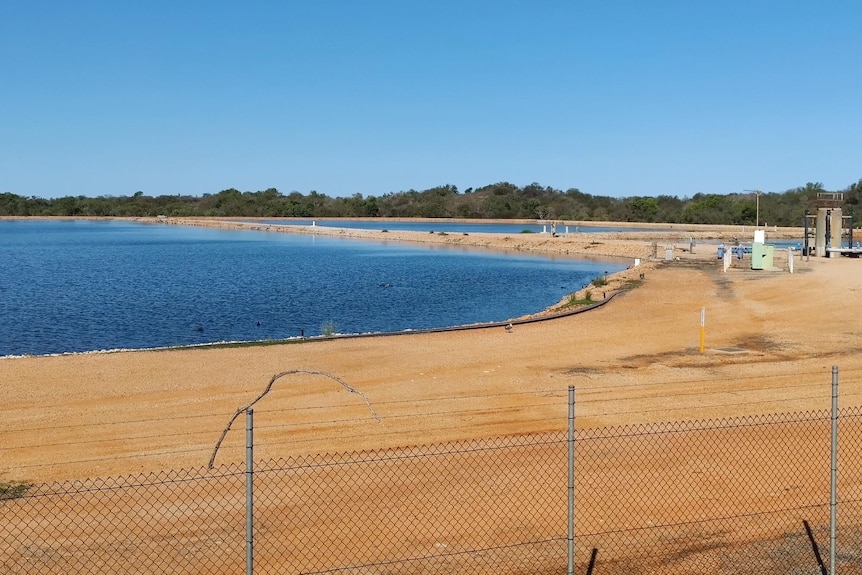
point(582, 403)
point(585, 394)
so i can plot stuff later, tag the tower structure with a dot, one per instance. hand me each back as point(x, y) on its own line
point(828, 223)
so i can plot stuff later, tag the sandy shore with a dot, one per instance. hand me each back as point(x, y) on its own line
point(771, 339)
point(626, 245)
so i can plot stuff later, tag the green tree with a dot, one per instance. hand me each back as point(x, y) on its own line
point(370, 207)
point(644, 209)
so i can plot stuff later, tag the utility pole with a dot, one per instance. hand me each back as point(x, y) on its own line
point(756, 206)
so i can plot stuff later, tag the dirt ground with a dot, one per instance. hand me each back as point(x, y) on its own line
point(771, 339)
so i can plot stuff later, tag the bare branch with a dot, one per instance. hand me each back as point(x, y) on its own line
point(275, 378)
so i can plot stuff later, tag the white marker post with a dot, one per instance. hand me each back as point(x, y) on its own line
point(702, 327)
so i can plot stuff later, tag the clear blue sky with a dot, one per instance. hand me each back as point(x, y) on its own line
point(615, 97)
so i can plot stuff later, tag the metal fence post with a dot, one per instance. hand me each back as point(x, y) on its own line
point(249, 491)
point(833, 494)
point(571, 515)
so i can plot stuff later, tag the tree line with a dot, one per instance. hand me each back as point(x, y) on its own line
point(502, 200)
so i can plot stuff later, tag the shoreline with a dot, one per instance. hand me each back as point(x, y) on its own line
point(493, 241)
point(550, 313)
point(642, 251)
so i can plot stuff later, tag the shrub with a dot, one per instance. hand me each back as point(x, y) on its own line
point(328, 328)
point(13, 490)
point(586, 300)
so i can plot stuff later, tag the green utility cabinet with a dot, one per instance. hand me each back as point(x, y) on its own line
point(762, 256)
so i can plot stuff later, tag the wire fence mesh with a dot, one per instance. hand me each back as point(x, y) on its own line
point(725, 496)
point(173, 522)
point(742, 495)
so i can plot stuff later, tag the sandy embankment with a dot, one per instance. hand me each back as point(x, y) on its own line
point(628, 245)
point(771, 339)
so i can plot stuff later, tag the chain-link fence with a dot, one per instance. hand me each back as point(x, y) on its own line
point(173, 522)
point(743, 495)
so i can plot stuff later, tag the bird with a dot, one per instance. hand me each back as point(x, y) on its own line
point(509, 327)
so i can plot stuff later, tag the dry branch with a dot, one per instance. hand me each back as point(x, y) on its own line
point(276, 377)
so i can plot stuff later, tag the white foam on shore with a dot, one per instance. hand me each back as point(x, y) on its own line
point(162, 348)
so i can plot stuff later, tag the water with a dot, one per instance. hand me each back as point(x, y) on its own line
point(75, 286)
point(450, 227)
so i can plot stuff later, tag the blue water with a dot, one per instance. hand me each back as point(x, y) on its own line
point(74, 286)
point(450, 227)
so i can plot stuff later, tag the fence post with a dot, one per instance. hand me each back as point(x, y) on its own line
point(571, 515)
point(833, 492)
point(249, 492)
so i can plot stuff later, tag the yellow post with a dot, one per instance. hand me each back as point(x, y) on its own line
point(702, 327)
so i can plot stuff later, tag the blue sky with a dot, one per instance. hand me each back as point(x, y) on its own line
point(615, 98)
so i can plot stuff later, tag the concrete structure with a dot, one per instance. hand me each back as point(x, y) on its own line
point(829, 224)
